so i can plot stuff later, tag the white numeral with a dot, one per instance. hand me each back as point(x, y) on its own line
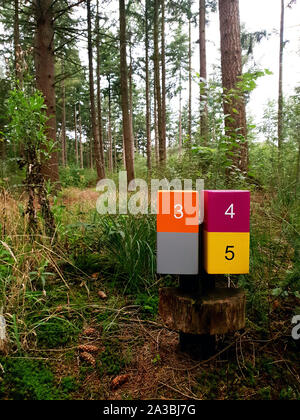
point(180, 208)
point(230, 211)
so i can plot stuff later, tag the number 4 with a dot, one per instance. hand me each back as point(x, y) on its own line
point(230, 211)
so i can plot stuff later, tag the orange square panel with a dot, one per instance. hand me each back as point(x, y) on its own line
point(178, 211)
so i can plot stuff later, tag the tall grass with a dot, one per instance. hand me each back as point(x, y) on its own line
point(27, 263)
point(128, 250)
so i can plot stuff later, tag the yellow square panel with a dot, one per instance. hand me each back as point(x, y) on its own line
point(226, 252)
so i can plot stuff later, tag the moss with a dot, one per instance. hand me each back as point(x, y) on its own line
point(27, 379)
point(148, 304)
point(111, 360)
point(69, 384)
point(57, 332)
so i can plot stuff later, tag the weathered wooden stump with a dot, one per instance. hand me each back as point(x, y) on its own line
point(200, 317)
point(217, 312)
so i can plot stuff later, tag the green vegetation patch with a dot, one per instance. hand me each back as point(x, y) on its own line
point(25, 379)
point(56, 332)
point(112, 360)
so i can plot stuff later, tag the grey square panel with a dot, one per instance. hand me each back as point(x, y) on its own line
point(177, 253)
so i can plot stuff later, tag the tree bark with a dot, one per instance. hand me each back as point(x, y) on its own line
point(63, 121)
point(156, 127)
point(161, 146)
point(280, 89)
point(124, 154)
point(216, 312)
point(203, 73)
point(190, 86)
point(134, 140)
point(99, 106)
point(80, 137)
point(115, 150)
point(127, 133)
point(148, 107)
point(180, 113)
point(45, 73)
point(110, 142)
point(233, 104)
point(95, 131)
point(17, 47)
point(163, 151)
point(76, 137)
point(91, 150)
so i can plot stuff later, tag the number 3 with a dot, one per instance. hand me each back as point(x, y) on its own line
point(229, 252)
point(180, 211)
point(230, 211)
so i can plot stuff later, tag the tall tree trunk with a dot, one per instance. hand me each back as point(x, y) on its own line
point(110, 142)
point(134, 140)
point(148, 106)
point(203, 72)
point(99, 106)
point(280, 93)
point(163, 150)
point(91, 154)
point(234, 107)
point(80, 137)
point(156, 126)
point(63, 120)
point(76, 137)
point(180, 113)
point(190, 86)
point(17, 47)
point(161, 145)
point(127, 132)
point(115, 150)
point(95, 130)
point(124, 152)
point(45, 73)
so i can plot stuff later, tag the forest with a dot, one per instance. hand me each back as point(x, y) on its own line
point(153, 89)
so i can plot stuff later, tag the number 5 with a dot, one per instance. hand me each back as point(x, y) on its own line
point(229, 252)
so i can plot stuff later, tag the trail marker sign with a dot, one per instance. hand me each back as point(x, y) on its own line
point(178, 232)
point(226, 232)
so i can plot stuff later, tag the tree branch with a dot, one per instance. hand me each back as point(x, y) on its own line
point(61, 12)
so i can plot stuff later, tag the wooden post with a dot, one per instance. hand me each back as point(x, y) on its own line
point(197, 309)
point(198, 346)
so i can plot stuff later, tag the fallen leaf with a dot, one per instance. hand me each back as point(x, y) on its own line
point(118, 381)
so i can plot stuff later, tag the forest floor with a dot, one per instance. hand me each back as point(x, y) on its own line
point(81, 337)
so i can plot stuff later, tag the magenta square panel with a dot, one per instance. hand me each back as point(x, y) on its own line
point(226, 211)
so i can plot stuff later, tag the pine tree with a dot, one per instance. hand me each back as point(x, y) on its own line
point(234, 103)
point(127, 131)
